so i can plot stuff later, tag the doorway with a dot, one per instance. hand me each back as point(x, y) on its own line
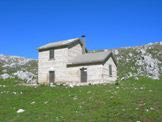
point(51, 76)
point(83, 75)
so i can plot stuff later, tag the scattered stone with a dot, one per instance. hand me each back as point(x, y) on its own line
point(20, 111)
point(141, 88)
point(32, 102)
point(150, 90)
point(46, 102)
point(130, 54)
point(143, 51)
point(147, 110)
point(71, 85)
point(151, 108)
point(137, 108)
point(25, 75)
point(136, 78)
point(89, 92)
point(75, 98)
point(116, 52)
point(123, 78)
point(14, 93)
point(5, 76)
point(3, 86)
point(52, 85)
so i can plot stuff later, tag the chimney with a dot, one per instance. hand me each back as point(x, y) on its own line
point(83, 42)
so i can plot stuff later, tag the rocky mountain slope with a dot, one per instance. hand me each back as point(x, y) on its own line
point(133, 62)
point(139, 61)
point(18, 67)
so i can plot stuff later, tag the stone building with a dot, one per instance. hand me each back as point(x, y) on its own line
point(69, 62)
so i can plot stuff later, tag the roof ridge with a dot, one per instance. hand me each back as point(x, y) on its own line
point(99, 52)
point(65, 40)
point(58, 43)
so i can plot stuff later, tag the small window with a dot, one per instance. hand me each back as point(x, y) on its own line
point(110, 70)
point(51, 54)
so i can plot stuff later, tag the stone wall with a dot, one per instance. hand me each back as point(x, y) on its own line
point(74, 51)
point(105, 71)
point(94, 73)
point(62, 56)
point(58, 64)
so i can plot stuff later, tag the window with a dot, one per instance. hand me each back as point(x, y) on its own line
point(110, 70)
point(51, 54)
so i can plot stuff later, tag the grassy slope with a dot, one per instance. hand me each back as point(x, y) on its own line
point(130, 102)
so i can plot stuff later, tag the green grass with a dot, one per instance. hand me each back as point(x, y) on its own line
point(130, 101)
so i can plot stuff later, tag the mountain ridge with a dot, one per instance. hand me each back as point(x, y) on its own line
point(133, 62)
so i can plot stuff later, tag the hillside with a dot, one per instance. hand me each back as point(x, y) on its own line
point(133, 62)
point(140, 61)
point(18, 67)
point(135, 99)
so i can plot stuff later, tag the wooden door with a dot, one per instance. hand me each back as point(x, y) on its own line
point(51, 76)
point(83, 74)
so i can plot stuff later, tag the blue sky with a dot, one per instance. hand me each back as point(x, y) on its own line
point(28, 24)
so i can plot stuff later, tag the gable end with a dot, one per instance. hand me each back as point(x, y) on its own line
point(112, 56)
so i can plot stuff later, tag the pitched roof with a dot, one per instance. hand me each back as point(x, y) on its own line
point(58, 44)
point(91, 58)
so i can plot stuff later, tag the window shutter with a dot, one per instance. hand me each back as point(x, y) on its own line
point(51, 54)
